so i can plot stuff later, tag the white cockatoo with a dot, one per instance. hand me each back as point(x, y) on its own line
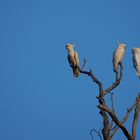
point(118, 56)
point(136, 60)
point(73, 59)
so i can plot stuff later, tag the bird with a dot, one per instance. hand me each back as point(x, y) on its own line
point(118, 56)
point(136, 60)
point(73, 59)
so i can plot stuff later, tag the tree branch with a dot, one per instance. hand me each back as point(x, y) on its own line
point(84, 64)
point(97, 132)
point(136, 115)
point(117, 81)
point(105, 130)
point(113, 110)
point(124, 119)
point(115, 119)
point(94, 79)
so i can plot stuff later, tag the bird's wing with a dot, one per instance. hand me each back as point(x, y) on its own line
point(137, 57)
point(70, 60)
point(118, 54)
point(134, 62)
point(76, 58)
point(113, 59)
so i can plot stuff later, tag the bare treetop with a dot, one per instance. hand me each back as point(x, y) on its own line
point(108, 130)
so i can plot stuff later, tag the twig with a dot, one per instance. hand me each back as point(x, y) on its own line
point(97, 132)
point(115, 119)
point(84, 64)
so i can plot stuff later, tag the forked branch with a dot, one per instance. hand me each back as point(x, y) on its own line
point(117, 81)
point(115, 119)
point(124, 118)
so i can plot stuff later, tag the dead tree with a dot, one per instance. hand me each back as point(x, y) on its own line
point(108, 130)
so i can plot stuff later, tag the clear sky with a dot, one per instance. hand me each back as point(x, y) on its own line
point(39, 97)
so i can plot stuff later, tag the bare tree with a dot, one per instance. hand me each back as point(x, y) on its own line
point(108, 129)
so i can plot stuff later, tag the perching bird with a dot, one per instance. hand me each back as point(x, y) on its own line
point(73, 59)
point(118, 56)
point(136, 60)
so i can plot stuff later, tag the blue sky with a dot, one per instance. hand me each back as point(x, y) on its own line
point(39, 97)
